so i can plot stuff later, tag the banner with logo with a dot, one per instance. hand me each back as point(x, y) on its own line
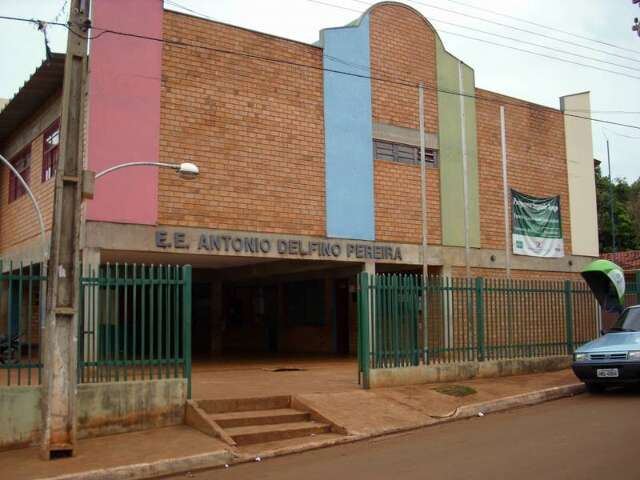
point(536, 227)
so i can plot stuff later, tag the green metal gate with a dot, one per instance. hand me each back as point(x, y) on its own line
point(135, 323)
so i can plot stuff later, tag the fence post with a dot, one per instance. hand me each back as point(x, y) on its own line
point(363, 327)
point(480, 317)
point(186, 332)
point(568, 308)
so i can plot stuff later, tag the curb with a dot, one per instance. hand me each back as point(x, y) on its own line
point(160, 468)
point(522, 400)
point(207, 461)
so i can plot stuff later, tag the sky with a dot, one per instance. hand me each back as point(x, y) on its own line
point(538, 79)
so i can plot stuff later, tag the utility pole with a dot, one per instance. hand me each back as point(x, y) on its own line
point(60, 335)
point(613, 221)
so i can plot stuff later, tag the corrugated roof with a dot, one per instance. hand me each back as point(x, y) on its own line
point(45, 81)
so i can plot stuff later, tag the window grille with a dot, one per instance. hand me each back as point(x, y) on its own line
point(22, 163)
point(397, 152)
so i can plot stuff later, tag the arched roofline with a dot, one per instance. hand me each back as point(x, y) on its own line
point(356, 23)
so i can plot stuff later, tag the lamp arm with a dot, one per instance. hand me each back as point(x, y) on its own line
point(136, 164)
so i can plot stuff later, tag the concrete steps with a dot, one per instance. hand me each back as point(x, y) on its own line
point(259, 417)
point(253, 434)
point(256, 421)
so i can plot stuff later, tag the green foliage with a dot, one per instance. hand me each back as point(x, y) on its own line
point(626, 213)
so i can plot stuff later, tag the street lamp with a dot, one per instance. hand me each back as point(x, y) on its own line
point(186, 170)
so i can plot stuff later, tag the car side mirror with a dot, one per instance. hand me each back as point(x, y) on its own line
point(603, 331)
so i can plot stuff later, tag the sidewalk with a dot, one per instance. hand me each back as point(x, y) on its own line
point(363, 413)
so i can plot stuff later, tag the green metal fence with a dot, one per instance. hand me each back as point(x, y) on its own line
point(20, 326)
point(135, 323)
point(469, 319)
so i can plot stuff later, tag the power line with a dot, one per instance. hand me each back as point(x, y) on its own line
point(541, 25)
point(404, 83)
point(619, 134)
point(504, 25)
point(200, 14)
point(516, 48)
point(593, 67)
point(559, 50)
point(611, 112)
point(170, 2)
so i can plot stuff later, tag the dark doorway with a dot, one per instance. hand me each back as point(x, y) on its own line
point(201, 318)
point(342, 316)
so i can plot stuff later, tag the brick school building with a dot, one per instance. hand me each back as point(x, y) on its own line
point(310, 168)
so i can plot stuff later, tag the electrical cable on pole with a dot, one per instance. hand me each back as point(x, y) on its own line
point(404, 83)
point(466, 15)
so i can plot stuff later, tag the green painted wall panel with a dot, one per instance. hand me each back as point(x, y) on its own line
point(451, 169)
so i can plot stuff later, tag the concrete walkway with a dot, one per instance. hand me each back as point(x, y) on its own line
point(273, 375)
point(179, 449)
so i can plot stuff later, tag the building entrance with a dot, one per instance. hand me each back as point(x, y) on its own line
point(275, 324)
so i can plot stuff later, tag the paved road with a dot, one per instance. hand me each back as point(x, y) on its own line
point(586, 437)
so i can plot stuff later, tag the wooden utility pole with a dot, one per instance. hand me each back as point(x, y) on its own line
point(63, 282)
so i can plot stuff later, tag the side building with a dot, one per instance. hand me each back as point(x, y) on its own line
point(309, 165)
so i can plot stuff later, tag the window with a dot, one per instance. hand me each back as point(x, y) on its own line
point(22, 163)
point(397, 152)
point(50, 151)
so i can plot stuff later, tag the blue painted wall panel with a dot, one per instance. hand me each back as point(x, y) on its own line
point(348, 133)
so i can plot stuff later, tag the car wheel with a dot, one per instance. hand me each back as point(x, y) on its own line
point(595, 388)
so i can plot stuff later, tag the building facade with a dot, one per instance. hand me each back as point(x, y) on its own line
point(309, 165)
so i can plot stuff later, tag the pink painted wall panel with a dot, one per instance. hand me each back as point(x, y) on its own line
point(124, 110)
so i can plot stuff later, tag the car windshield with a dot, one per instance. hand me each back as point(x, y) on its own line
point(629, 321)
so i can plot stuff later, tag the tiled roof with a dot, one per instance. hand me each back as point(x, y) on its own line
point(629, 260)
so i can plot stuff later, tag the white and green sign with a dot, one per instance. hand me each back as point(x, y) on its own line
point(537, 229)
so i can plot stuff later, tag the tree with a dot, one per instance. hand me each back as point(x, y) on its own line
point(626, 213)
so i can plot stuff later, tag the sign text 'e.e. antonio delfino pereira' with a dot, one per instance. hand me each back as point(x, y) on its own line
point(246, 245)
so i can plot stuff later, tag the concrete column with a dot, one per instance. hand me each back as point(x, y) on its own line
point(447, 320)
point(369, 267)
point(217, 321)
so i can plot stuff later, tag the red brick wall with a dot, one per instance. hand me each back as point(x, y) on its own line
point(254, 128)
point(536, 160)
point(517, 274)
point(18, 220)
point(398, 212)
point(403, 48)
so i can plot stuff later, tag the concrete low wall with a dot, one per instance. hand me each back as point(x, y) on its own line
point(119, 407)
point(103, 409)
point(19, 416)
point(450, 372)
